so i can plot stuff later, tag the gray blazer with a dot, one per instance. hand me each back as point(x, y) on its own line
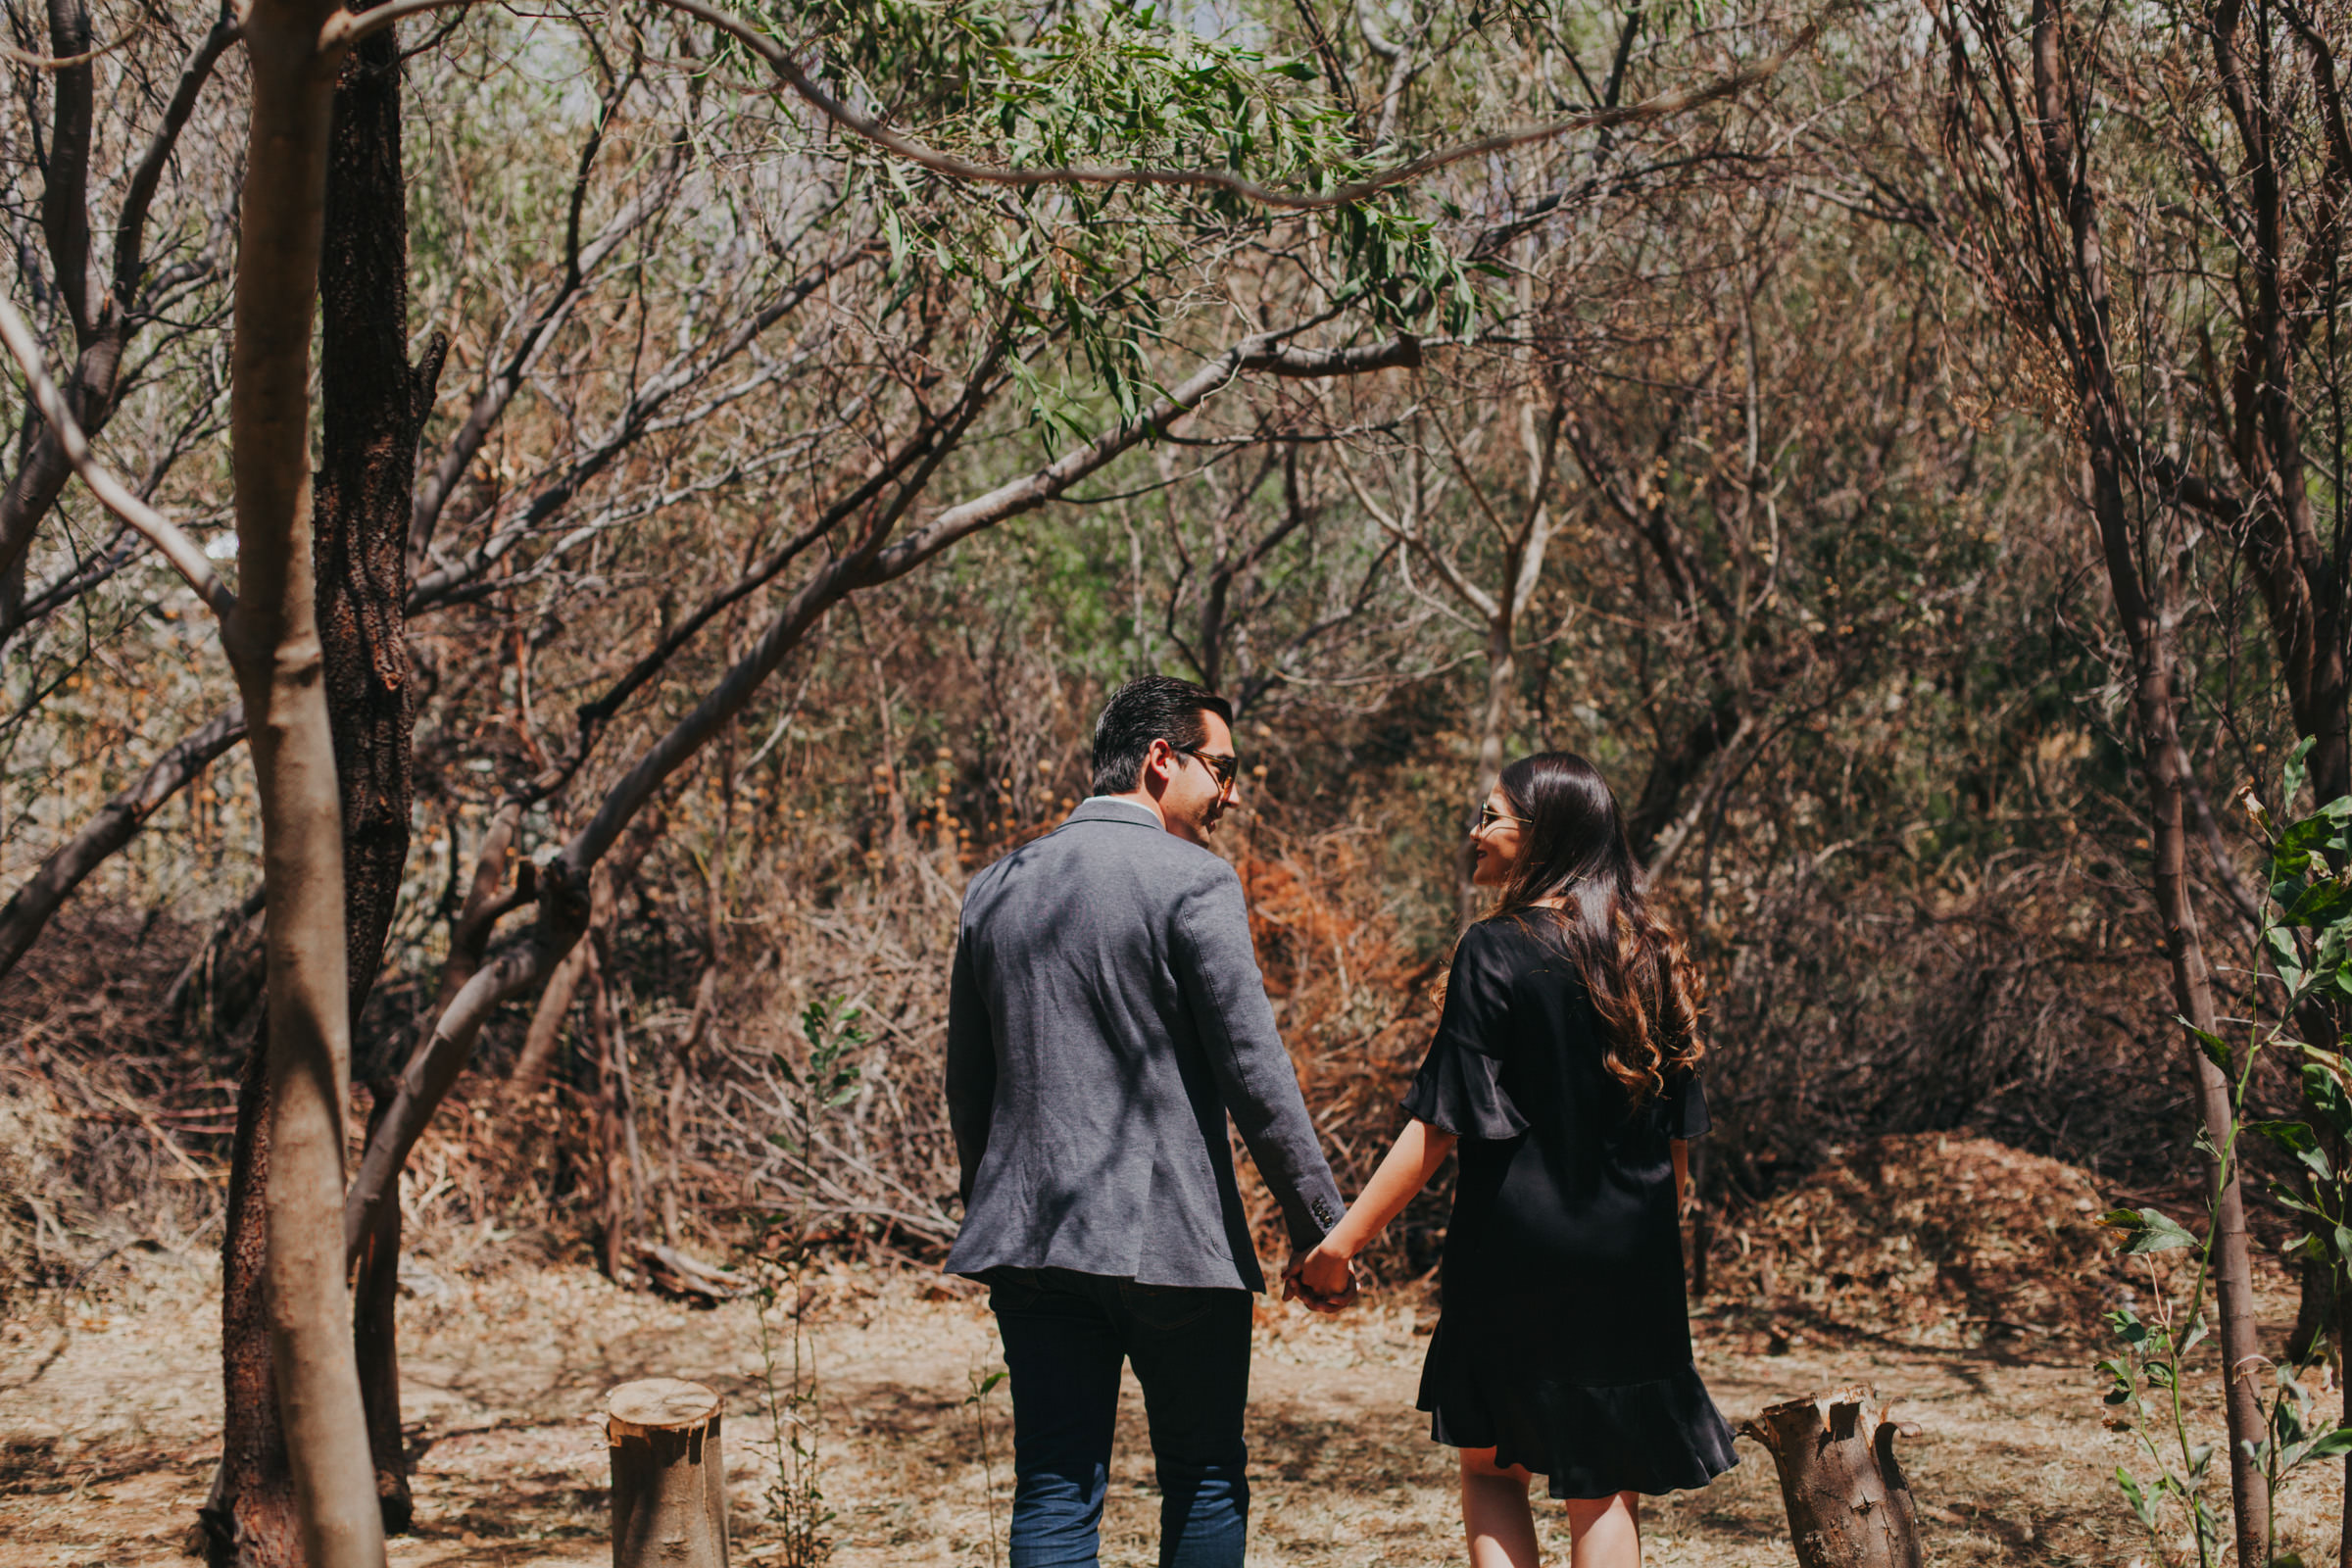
point(1105, 1016)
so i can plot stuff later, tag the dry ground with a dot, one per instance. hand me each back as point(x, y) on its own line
point(105, 1432)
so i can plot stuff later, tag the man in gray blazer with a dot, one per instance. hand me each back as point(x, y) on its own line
point(1104, 1016)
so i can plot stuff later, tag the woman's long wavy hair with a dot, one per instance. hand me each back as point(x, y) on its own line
point(1572, 847)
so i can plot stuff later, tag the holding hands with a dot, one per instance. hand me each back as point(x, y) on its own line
point(1323, 1278)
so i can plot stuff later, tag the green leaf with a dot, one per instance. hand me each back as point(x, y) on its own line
point(2298, 1140)
point(2296, 772)
point(2324, 1091)
point(2217, 1049)
point(2141, 1503)
point(2146, 1230)
point(2328, 1444)
point(2286, 956)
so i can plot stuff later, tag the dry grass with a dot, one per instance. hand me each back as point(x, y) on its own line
point(106, 1437)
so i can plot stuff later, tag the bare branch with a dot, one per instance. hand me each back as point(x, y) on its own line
point(113, 825)
point(158, 530)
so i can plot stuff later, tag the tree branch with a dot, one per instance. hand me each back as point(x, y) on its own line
point(158, 530)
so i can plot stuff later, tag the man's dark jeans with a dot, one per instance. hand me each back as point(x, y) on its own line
point(1065, 1334)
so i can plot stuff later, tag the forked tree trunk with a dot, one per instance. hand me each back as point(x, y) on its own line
point(372, 405)
point(669, 1478)
point(1848, 1502)
point(271, 638)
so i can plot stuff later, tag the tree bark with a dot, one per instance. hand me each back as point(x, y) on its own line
point(271, 637)
point(1848, 1502)
point(670, 1478)
point(372, 406)
point(250, 1520)
point(375, 1325)
point(615, 1180)
point(538, 1052)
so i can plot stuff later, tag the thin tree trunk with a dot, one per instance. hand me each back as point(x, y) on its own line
point(250, 1520)
point(374, 1331)
point(613, 1177)
point(271, 637)
point(372, 405)
point(538, 1052)
point(2166, 768)
point(2147, 624)
point(1495, 720)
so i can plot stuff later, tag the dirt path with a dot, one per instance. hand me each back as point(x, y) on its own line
point(106, 1437)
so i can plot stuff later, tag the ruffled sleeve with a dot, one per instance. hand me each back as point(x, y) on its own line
point(1684, 1103)
point(1456, 1089)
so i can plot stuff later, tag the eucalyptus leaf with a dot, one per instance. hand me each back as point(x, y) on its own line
point(2146, 1230)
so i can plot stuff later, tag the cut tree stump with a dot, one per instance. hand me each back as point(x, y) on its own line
point(670, 1482)
point(1849, 1504)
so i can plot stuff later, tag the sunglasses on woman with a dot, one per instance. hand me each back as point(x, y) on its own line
point(1488, 816)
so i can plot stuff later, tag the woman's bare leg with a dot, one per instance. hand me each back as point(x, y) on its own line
point(1494, 1513)
point(1606, 1532)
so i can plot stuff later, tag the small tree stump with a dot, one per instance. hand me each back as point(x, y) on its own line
point(670, 1482)
point(1849, 1504)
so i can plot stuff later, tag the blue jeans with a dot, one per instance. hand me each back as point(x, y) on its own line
point(1065, 1334)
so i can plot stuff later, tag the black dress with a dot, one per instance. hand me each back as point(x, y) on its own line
point(1565, 1340)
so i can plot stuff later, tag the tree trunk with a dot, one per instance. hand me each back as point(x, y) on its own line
point(375, 1297)
point(1849, 1504)
point(2166, 768)
point(271, 637)
point(538, 1052)
point(669, 1478)
point(616, 1177)
point(250, 1519)
point(1495, 719)
point(2148, 615)
point(372, 406)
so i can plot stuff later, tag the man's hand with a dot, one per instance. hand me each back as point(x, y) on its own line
point(1323, 1279)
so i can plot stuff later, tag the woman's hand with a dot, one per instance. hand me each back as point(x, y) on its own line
point(1324, 1278)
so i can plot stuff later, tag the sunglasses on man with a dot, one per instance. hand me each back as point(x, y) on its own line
point(1223, 767)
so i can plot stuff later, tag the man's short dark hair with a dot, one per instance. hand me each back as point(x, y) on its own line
point(1150, 708)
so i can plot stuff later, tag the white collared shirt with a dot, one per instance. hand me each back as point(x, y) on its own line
point(1145, 811)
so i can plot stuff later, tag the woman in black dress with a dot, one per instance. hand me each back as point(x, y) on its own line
point(1564, 1071)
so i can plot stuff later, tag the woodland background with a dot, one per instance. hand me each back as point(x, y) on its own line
point(1737, 447)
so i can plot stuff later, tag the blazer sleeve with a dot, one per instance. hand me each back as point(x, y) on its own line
point(1217, 967)
point(971, 1074)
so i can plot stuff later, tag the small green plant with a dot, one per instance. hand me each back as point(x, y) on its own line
point(976, 1401)
point(2306, 934)
point(796, 1498)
